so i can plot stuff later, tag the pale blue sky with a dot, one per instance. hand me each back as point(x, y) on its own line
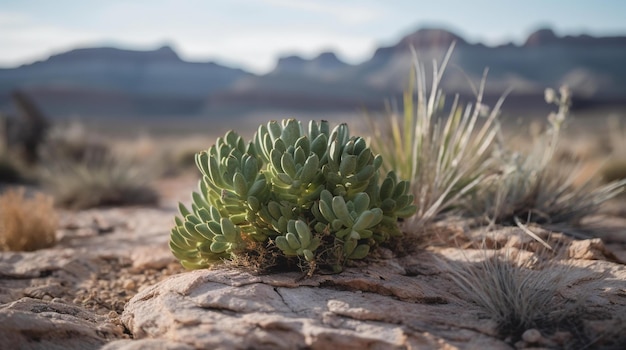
point(252, 33)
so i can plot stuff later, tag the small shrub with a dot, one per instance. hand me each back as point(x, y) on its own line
point(534, 188)
point(445, 153)
point(290, 196)
point(98, 180)
point(26, 224)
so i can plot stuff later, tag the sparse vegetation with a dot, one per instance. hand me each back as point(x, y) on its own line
point(82, 171)
point(457, 161)
point(536, 188)
point(98, 180)
point(73, 142)
point(26, 224)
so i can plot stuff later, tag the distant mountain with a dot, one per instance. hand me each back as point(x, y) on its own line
point(591, 66)
point(109, 54)
point(110, 81)
point(545, 60)
point(84, 81)
point(325, 63)
point(547, 37)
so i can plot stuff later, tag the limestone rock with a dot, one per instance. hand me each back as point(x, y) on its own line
point(371, 308)
point(389, 304)
point(145, 344)
point(32, 324)
point(590, 249)
point(152, 257)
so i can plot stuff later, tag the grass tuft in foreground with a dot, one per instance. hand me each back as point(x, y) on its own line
point(518, 294)
point(26, 224)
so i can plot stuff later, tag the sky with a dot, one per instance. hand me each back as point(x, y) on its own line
point(252, 34)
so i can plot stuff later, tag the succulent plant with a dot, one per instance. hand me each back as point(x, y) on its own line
point(314, 194)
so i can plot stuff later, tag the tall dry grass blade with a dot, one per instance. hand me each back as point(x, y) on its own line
point(437, 148)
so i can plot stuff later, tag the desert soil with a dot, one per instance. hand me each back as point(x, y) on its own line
point(77, 295)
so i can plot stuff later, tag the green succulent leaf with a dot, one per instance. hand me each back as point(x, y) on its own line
point(304, 234)
point(219, 247)
point(341, 211)
point(360, 252)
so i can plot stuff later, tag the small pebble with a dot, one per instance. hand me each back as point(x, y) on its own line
point(129, 284)
point(531, 336)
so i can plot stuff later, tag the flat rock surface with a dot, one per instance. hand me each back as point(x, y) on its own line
point(385, 305)
point(377, 307)
point(112, 283)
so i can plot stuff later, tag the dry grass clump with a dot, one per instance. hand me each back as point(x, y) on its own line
point(98, 180)
point(82, 171)
point(547, 195)
point(26, 224)
point(518, 294)
point(537, 188)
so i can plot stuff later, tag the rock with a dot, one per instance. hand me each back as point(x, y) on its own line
point(146, 344)
point(152, 257)
point(370, 308)
point(33, 324)
point(129, 284)
point(33, 264)
point(590, 249)
point(531, 336)
point(385, 304)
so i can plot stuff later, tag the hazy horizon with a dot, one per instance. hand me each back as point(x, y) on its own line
point(253, 34)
